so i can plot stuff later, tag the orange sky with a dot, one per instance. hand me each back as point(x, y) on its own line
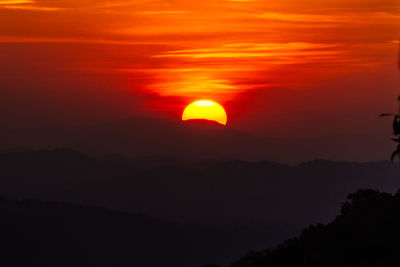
point(285, 67)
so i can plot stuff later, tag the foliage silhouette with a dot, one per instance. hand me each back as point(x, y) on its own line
point(366, 233)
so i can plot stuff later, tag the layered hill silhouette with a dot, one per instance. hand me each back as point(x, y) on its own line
point(366, 233)
point(143, 136)
point(203, 122)
point(140, 136)
point(38, 233)
point(267, 201)
point(187, 190)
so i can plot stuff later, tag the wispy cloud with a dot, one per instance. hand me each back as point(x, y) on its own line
point(14, 39)
point(25, 5)
point(31, 7)
point(160, 12)
point(243, 1)
point(244, 50)
point(210, 48)
point(229, 69)
point(342, 18)
point(15, 2)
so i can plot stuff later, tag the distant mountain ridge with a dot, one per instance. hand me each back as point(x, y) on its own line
point(203, 122)
point(140, 136)
point(190, 189)
point(143, 136)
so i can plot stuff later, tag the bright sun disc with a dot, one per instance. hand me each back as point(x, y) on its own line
point(205, 109)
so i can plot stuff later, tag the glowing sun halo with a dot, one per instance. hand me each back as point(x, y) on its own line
point(205, 109)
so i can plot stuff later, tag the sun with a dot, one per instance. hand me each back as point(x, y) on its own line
point(205, 109)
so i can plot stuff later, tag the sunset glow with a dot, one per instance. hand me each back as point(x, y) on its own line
point(315, 60)
point(205, 109)
point(203, 129)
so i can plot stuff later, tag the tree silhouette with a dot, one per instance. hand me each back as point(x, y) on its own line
point(366, 233)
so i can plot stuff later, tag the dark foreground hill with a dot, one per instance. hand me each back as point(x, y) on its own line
point(365, 234)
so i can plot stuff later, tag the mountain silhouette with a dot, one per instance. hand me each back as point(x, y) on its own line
point(204, 191)
point(43, 233)
point(250, 205)
point(142, 136)
point(145, 136)
point(203, 122)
